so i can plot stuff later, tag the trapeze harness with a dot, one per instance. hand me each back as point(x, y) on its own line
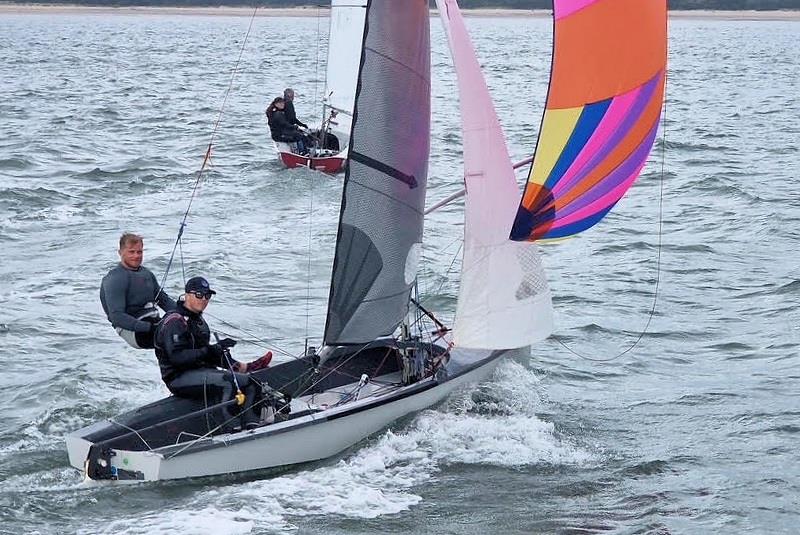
point(143, 340)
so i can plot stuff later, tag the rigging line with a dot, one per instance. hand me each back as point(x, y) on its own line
point(334, 369)
point(444, 278)
point(183, 264)
point(266, 343)
point(658, 256)
point(308, 266)
point(205, 436)
point(205, 401)
point(422, 310)
point(308, 262)
point(429, 332)
point(326, 95)
point(207, 156)
point(134, 431)
point(377, 370)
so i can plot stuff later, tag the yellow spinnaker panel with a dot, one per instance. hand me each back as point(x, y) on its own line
point(557, 127)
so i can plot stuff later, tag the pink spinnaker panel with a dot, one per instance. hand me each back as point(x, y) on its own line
point(566, 8)
point(504, 301)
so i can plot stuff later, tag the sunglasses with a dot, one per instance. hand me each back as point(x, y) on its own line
point(202, 295)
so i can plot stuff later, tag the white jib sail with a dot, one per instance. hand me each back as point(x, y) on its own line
point(504, 300)
point(344, 56)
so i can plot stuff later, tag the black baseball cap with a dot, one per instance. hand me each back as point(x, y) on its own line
point(198, 284)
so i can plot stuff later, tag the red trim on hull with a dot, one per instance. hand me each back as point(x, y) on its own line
point(330, 164)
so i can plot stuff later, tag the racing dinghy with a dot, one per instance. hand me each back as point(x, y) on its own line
point(329, 152)
point(383, 354)
point(353, 394)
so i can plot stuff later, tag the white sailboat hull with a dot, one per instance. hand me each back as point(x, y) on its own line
point(309, 438)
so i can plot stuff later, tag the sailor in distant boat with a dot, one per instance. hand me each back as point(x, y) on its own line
point(129, 294)
point(291, 115)
point(192, 367)
point(323, 139)
point(284, 130)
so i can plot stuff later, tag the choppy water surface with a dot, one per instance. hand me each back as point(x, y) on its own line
point(104, 122)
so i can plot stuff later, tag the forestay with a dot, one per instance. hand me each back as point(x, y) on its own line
point(504, 301)
point(602, 113)
point(344, 54)
point(380, 228)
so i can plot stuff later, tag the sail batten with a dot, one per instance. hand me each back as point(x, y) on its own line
point(601, 116)
point(381, 219)
point(384, 168)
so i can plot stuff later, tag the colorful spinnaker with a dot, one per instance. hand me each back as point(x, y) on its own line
point(601, 117)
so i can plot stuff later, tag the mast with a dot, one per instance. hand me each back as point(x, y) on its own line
point(379, 241)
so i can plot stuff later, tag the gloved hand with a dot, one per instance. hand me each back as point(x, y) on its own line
point(214, 355)
point(216, 352)
point(226, 343)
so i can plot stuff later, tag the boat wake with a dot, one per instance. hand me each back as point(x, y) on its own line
point(498, 425)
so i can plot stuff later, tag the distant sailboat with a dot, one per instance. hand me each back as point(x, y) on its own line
point(344, 53)
point(377, 363)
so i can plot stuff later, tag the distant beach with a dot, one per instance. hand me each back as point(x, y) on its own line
point(230, 11)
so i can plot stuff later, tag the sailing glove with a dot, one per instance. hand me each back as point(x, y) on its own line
point(226, 343)
point(216, 352)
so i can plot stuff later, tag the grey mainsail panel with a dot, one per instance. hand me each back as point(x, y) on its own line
point(381, 220)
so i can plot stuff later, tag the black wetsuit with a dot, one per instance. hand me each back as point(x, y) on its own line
point(291, 116)
point(281, 129)
point(127, 294)
point(190, 366)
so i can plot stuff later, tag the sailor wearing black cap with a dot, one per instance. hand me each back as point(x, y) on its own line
point(191, 366)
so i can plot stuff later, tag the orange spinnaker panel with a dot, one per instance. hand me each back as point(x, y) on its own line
point(605, 49)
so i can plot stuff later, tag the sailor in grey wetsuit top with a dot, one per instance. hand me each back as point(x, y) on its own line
point(129, 294)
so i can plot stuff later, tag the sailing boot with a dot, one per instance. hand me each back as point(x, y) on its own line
point(251, 411)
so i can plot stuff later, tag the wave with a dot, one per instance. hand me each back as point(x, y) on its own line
point(19, 163)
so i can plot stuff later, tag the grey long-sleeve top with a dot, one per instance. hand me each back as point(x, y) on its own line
point(124, 294)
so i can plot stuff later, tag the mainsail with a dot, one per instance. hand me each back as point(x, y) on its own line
point(381, 220)
point(504, 301)
point(344, 47)
point(602, 113)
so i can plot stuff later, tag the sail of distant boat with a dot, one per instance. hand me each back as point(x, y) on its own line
point(602, 113)
point(344, 52)
point(379, 240)
point(503, 300)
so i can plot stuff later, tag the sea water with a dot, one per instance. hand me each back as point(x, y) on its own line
point(104, 120)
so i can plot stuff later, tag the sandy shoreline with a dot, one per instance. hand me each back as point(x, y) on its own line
point(229, 11)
